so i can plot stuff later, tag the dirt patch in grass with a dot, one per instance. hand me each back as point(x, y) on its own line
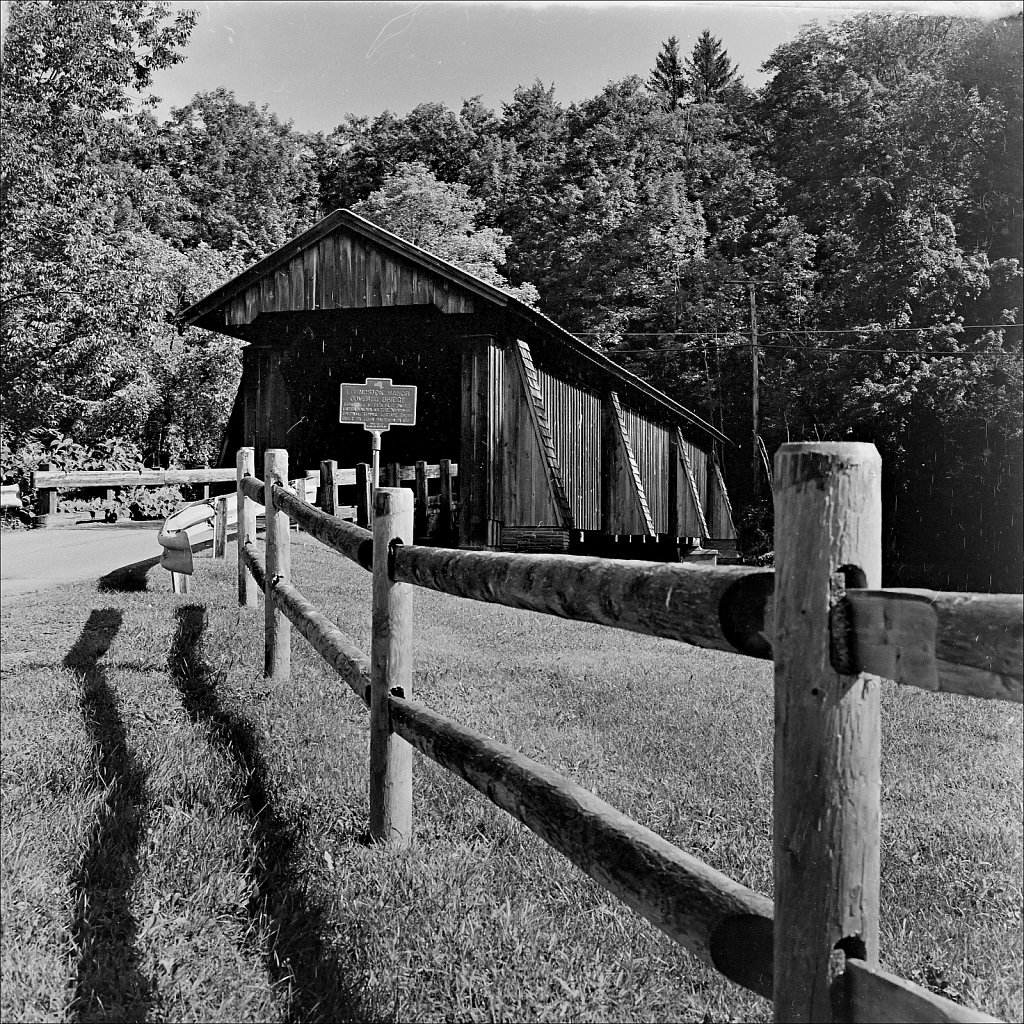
point(184, 841)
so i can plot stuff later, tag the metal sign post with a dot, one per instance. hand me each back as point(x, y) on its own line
point(378, 405)
point(375, 457)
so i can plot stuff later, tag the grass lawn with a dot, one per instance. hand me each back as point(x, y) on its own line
point(182, 841)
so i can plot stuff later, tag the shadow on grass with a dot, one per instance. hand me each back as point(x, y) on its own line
point(320, 984)
point(110, 985)
point(129, 578)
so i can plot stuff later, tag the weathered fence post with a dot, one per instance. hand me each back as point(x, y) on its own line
point(828, 517)
point(364, 486)
point(391, 670)
point(47, 497)
point(420, 512)
point(278, 636)
point(447, 523)
point(220, 529)
point(329, 486)
point(301, 492)
point(246, 528)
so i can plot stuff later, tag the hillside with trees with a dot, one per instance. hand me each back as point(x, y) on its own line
point(872, 190)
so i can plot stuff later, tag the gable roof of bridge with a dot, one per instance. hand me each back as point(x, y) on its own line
point(304, 275)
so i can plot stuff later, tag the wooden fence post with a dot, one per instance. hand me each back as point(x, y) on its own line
point(391, 669)
point(301, 493)
point(828, 517)
point(420, 508)
point(246, 528)
point(329, 486)
point(392, 475)
point(447, 521)
point(220, 529)
point(364, 485)
point(47, 497)
point(278, 636)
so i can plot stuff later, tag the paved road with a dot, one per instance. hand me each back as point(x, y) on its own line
point(32, 560)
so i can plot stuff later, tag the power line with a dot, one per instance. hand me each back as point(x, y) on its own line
point(823, 351)
point(824, 330)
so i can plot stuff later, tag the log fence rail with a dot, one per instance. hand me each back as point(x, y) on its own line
point(821, 616)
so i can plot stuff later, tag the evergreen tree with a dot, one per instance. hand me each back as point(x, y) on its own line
point(708, 70)
point(668, 76)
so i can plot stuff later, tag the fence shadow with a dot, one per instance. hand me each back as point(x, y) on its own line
point(320, 985)
point(110, 984)
point(129, 578)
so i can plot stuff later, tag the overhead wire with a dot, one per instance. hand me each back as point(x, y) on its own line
point(744, 336)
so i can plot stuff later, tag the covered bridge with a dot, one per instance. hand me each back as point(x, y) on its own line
point(558, 448)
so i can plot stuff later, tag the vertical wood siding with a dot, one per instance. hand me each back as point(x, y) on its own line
point(651, 449)
point(341, 271)
point(574, 416)
point(526, 500)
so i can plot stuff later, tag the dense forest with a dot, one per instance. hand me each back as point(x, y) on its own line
point(870, 193)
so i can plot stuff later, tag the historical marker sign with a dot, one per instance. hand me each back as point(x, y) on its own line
point(378, 404)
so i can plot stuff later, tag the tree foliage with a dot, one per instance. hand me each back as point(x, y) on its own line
point(441, 218)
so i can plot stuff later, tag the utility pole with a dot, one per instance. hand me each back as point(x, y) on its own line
point(751, 285)
point(755, 408)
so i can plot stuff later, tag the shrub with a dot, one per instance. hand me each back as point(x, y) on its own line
point(150, 502)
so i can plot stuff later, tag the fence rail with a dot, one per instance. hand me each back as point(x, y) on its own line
point(815, 951)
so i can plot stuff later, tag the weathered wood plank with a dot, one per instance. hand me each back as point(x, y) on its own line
point(952, 643)
point(876, 997)
point(719, 920)
point(220, 529)
point(130, 478)
point(329, 487)
point(330, 643)
point(724, 607)
point(346, 538)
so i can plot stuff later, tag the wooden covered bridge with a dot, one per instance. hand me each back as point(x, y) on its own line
point(558, 448)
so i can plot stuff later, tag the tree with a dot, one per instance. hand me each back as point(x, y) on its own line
point(73, 109)
point(441, 218)
point(708, 69)
point(668, 78)
point(248, 181)
point(360, 153)
point(891, 147)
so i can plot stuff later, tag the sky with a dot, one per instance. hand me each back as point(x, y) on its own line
point(314, 62)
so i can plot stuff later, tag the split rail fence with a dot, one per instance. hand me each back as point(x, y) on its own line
point(821, 616)
point(49, 483)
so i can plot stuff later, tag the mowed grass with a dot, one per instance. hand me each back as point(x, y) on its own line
point(183, 841)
